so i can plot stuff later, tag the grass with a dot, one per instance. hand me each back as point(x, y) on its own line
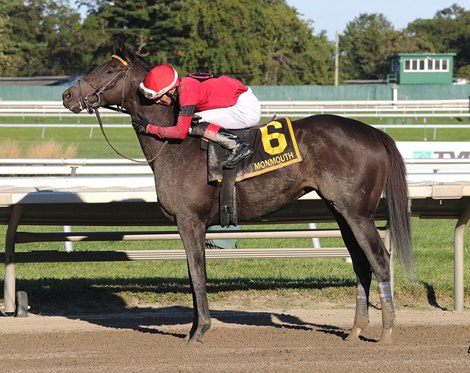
point(78, 138)
point(56, 288)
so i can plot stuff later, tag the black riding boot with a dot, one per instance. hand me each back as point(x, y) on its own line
point(239, 149)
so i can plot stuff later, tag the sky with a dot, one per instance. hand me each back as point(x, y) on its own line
point(333, 15)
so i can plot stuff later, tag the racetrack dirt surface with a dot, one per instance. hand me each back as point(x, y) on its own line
point(254, 341)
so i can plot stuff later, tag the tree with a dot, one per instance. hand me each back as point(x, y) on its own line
point(365, 47)
point(157, 30)
point(261, 42)
point(448, 31)
point(44, 38)
point(5, 60)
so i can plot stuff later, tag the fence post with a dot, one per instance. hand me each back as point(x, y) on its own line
point(67, 228)
point(315, 241)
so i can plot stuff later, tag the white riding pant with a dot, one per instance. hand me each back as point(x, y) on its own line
point(244, 114)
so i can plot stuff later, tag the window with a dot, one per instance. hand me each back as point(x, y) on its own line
point(444, 65)
point(407, 65)
point(426, 64)
point(430, 64)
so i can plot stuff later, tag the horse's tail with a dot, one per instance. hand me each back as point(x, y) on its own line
point(396, 193)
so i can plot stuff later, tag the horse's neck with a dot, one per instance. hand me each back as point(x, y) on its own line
point(151, 146)
point(168, 155)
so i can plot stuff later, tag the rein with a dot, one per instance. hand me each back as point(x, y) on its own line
point(98, 118)
point(94, 107)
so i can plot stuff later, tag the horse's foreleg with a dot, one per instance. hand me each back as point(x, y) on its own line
point(192, 233)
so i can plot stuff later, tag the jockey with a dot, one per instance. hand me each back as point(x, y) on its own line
point(221, 103)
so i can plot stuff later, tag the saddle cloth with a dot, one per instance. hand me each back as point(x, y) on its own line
point(274, 144)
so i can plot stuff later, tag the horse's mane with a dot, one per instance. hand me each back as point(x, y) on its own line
point(122, 51)
point(140, 60)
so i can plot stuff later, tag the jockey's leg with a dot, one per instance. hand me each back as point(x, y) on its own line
point(239, 149)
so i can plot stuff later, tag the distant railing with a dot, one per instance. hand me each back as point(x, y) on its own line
point(120, 167)
point(289, 108)
point(422, 109)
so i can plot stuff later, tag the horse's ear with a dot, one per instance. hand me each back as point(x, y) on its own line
point(120, 47)
point(121, 50)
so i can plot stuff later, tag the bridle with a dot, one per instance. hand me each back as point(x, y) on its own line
point(97, 92)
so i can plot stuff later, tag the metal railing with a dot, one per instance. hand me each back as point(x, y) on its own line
point(122, 167)
point(290, 108)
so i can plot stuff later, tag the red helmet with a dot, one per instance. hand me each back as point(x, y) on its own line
point(158, 81)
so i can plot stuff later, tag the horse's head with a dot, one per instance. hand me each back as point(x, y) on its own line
point(114, 82)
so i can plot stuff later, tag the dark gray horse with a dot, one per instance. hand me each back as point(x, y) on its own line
point(348, 163)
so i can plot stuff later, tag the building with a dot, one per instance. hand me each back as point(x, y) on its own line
point(421, 68)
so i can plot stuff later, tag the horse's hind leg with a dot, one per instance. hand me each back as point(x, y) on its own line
point(364, 275)
point(369, 240)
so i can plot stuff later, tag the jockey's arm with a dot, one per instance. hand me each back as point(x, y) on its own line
point(180, 130)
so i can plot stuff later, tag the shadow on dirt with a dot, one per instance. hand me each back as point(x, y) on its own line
point(98, 302)
point(431, 294)
point(160, 320)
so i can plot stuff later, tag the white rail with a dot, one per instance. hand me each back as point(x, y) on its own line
point(435, 168)
point(370, 108)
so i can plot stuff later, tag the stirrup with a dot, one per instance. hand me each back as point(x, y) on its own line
point(241, 152)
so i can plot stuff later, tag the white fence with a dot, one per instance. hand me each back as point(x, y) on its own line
point(432, 169)
point(405, 110)
point(422, 108)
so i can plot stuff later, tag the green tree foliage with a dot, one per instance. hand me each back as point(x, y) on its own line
point(5, 38)
point(45, 38)
point(260, 42)
point(448, 31)
point(157, 30)
point(364, 47)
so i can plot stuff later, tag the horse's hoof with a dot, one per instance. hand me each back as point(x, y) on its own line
point(353, 336)
point(193, 341)
point(198, 335)
point(386, 336)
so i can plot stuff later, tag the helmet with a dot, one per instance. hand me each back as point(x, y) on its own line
point(158, 81)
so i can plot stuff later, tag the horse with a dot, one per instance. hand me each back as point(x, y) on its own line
point(348, 163)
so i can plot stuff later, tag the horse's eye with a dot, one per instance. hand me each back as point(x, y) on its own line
point(109, 71)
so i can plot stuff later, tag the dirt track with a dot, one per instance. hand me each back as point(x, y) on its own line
point(264, 341)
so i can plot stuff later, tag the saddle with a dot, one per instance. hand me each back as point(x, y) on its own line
point(274, 145)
